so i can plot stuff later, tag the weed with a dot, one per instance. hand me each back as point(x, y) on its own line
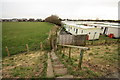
point(98, 48)
point(107, 52)
point(90, 54)
point(107, 48)
point(96, 53)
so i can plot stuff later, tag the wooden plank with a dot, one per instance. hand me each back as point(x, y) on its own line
point(27, 47)
point(81, 57)
point(70, 52)
point(85, 48)
point(7, 50)
point(41, 46)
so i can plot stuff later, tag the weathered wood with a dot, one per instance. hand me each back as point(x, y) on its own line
point(60, 49)
point(65, 39)
point(85, 48)
point(70, 52)
point(7, 50)
point(81, 52)
point(63, 49)
point(79, 40)
point(93, 38)
point(81, 57)
point(41, 46)
point(68, 39)
point(27, 47)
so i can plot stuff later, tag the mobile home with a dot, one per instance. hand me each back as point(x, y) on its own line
point(92, 32)
point(113, 32)
point(108, 29)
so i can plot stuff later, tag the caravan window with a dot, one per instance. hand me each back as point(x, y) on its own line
point(82, 31)
point(101, 27)
point(76, 31)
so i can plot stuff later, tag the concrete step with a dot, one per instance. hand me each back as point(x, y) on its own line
point(56, 62)
point(59, 66)
point(60, 71)
point(53, 56)
point(66, 76)
point(50, 73)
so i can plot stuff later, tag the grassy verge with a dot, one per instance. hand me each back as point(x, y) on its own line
point(30, 65)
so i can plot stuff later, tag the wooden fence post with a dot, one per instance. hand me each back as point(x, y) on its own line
point(93, 38)
point(63, 49)
point(60, 49)
point(41, 46)
point(81, 57)
point(27, 47)
point(118, 40)
point(7, 50)
point(70, 52)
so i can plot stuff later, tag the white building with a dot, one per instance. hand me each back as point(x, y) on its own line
point(109, 29)
point(92, 32)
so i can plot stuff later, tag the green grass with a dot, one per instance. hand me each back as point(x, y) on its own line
point(17, 34)
point(32, 65)
point(102, 39)
point(73, 68)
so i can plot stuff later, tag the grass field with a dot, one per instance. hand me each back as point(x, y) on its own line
point(17, 34)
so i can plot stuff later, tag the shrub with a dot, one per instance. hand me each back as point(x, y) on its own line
point(53, 19)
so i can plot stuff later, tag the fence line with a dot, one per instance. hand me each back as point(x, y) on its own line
point(27, 46)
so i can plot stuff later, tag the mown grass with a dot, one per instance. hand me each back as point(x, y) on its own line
point(17, 34)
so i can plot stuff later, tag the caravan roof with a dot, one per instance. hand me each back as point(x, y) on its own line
point(79, 26)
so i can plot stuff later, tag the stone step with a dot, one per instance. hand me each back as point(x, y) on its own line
point(50, 73)
point(59, 66)
point(66, 76)
point(53, 56)
point(56, 62)
point(60, 71)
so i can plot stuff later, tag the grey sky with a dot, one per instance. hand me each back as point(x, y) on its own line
point(73, 9)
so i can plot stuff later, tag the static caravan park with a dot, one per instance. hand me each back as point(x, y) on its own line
point(113, 32)
point(110, 29)
point(92, 32)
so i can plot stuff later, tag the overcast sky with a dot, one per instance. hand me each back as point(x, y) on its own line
point(72, 9)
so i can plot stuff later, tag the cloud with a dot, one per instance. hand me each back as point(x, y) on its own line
point(105, 9)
